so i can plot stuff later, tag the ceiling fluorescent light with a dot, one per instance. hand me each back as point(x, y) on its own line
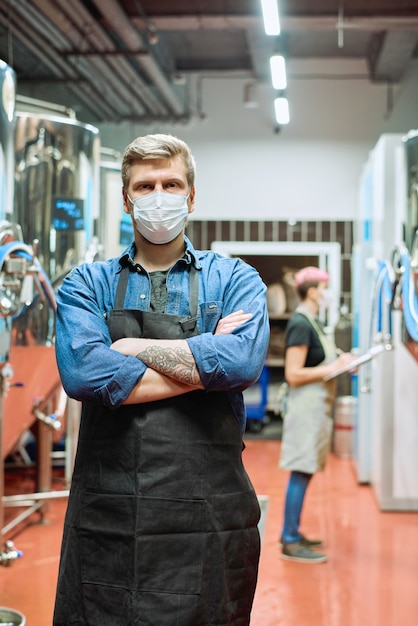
point(281, 107)
point(271, 17)
point(278, 71)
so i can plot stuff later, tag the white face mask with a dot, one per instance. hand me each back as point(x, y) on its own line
point(160, 216)
point(326, 298)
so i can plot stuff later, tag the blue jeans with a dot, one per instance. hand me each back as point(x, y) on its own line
point(295, 494)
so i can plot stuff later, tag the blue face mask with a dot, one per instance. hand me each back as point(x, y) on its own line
point(160, 216)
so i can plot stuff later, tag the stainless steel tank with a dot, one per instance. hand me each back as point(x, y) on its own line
point(115, 230)
point(56, 187)
point(411, 225)
point(410, 285)
point(7, 108)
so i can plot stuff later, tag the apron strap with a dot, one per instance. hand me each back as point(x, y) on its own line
point(194, 291)
point(193, 288)
point(121, 288)
point(327, 344)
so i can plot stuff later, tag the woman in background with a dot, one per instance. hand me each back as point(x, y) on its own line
point(310, 355)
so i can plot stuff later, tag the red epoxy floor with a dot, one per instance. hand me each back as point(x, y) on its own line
point(370, 579)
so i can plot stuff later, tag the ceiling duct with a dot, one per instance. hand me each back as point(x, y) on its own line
point(390, 53)
point(35, 43)
point(95, 69)
point(139, 95)
point(121, 24)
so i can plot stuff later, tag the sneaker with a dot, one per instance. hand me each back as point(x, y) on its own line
point(307, 543)
point(311, 543)
point(298, 552)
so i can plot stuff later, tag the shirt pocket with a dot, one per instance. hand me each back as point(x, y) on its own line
point(211, 313)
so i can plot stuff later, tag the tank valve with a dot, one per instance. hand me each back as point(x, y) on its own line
point(50, 420)
point(6, 374)
point(9, 554)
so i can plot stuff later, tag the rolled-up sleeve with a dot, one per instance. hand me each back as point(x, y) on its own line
point(235, 361)
point(90, 370)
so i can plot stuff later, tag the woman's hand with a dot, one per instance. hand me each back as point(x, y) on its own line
point(297, 374)
point(227, 324)
point(344, 359)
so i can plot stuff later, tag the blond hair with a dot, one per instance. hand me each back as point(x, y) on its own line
point(157, 146)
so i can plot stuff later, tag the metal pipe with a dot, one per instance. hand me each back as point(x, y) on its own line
point(18, 499)
point(49, 420)
point(19, 518)
point(113, 89)
point(43, 105)
point(115, 15)
point(59, 67)
point(102, 43)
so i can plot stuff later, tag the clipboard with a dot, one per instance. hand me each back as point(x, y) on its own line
point(360, 360)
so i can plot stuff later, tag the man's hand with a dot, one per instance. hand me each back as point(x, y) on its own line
point(227, 324)
point(173, 357)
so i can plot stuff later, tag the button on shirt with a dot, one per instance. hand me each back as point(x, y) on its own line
point(230, 363)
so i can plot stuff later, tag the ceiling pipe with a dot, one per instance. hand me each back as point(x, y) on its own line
point(115, 16)
point(62, 69)
point(102, 43)
point(96, 70)
point(50, 106)
point(36, 44)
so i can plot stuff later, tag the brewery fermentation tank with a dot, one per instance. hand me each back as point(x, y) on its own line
point(386, 313)
point(7, 106)
point(411, 221)
point(56, 187)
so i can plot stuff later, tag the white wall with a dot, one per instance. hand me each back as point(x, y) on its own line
point(311, 169)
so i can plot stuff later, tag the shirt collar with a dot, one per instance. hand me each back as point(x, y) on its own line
point(189, 255)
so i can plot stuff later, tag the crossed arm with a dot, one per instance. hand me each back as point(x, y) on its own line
point(171, 368)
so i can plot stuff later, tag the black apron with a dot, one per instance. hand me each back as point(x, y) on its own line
point(161, 526)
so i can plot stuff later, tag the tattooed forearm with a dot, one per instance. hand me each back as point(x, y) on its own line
point(176, 363)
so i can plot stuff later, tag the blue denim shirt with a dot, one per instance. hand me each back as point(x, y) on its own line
point(91, 371)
